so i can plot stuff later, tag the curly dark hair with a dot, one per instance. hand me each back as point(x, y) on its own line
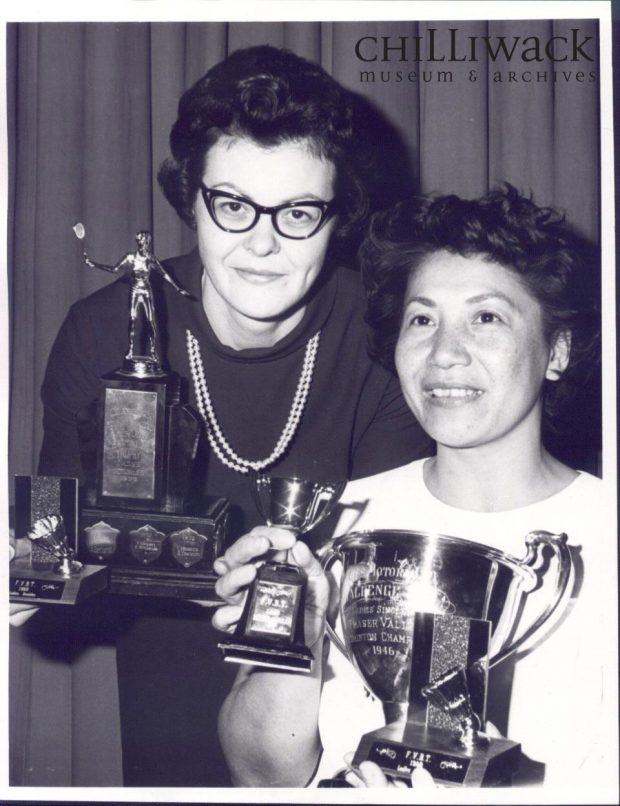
point(271, 96)
point(559, 269)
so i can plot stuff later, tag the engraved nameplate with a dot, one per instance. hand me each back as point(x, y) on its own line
point(129, 444)
point(402, 760)
point(26, 588)
point(146, 544)
point(188, 547)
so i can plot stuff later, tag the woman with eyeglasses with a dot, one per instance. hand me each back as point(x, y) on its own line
point(269, 169)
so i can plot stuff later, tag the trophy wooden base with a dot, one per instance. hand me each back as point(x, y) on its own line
point(29, 586)
point(399, 748)
point(156, 553)
point(257, 653)
point(135, 582)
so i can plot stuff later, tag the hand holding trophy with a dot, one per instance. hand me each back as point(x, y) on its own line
point(271, 629)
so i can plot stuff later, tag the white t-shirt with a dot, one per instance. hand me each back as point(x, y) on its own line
point(563, 707)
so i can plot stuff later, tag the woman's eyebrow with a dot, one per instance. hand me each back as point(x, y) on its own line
point(491, 295)
point(426, 301)
point(232, 188)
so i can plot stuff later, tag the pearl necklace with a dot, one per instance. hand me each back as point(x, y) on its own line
point(218, 442)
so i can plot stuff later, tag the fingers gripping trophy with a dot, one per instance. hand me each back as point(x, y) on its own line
point(271, 629)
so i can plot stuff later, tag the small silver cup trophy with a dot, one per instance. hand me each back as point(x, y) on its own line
point(423, 617)
point(270, 631)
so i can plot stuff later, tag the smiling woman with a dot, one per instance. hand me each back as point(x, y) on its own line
point(486, 309)
point(472, 355)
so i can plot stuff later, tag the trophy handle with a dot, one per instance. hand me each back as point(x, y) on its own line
point(326, 496)
point(534, 541)
point(327, 556)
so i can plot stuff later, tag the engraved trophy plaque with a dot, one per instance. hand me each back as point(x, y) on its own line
point(442, 610)
point(46, 510)
point(271, 629)
point(138, 452)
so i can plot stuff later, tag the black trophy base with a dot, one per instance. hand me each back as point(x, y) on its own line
point(155, 553)
point(288, 657)
point(27, 585)
point(134, 582)
point(399, 750)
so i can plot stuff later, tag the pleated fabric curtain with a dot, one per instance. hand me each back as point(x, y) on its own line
point(90, 106)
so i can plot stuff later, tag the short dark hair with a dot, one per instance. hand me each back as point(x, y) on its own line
point(270, 96)
point(557, 267)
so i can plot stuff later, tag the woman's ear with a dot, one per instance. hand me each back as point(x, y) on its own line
point(559, 355)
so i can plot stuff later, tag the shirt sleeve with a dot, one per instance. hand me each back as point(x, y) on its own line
point(392, 436)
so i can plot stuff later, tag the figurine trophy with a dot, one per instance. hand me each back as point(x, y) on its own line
point(424, 616)
point(139, 456)
point(270, 631)
point(65, 581)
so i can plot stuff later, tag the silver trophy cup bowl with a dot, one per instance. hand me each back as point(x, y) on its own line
point(390, 575)
point(293, 503)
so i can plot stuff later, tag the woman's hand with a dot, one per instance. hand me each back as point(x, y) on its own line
point(370, 775)
point(237, 569)
point(18, 548)
point(19, 613)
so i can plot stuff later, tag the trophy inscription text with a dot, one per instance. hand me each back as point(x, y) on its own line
point(146, 543)
point(129, 443)
point(25, 588)
point(274, 608)
point(188, 547)
point(402, 760)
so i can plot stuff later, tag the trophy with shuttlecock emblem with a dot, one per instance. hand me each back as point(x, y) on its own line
point(46, 518)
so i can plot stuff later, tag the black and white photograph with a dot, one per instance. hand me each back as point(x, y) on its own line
point(309, 389)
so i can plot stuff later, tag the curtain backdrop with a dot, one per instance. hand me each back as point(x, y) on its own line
point(90, 107)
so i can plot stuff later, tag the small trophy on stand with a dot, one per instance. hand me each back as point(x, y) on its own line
point(50, 574)
point(139, 454)
point(270, 631)
point(424, 616)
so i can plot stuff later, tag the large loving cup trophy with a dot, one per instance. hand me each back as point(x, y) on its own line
point(423, 617)
point(271, 629)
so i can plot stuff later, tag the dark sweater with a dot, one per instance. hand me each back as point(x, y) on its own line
point(356, 423)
